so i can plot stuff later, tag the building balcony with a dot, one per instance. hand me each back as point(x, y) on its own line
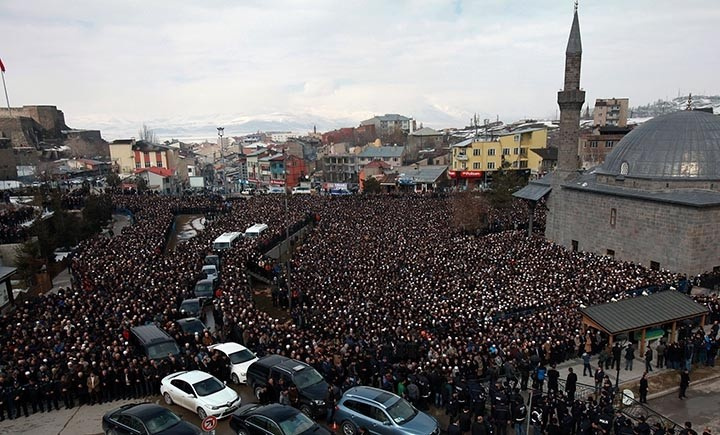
point(462, 157)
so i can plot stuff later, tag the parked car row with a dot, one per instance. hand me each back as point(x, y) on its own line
point(377, 411)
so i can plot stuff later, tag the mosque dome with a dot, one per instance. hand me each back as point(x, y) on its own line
point(679, 145)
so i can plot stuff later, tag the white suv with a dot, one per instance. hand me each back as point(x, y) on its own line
point(301, 190)
point(199, 392)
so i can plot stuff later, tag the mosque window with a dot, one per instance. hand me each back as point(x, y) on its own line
point(613, 216)
point(624, 167)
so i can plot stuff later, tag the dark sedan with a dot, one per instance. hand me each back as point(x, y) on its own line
point(145, 419)
point(275, 419)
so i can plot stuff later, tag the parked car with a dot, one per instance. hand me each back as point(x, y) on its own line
point(275, 189)
point(212, 259)
point(273, 419)
point(145, 419)
point(199, 392)
point(311, 386)
point(211, 272)
point(192, 325)
point(240, 359)
point(381, 412)
point(205, 288)
point(153, 342)
point(301, 190)
point(195, 307)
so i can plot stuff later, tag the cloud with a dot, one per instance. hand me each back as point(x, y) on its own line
point(106, 62)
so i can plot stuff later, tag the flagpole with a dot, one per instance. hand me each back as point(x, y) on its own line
point(7, 100)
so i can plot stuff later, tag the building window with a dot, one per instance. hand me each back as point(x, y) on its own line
point(593, 144)
point(491, 151)
point(516, 138)
point(523, 164)
point(575, 245)
point(477, 165)
point(610, 144)
point(147, 164)
point(506, 151)
point(654, 265)
point(613, 217)
point(137, 165)
point(516, 151)
point(477, 152)
point(515, 164)
point(159, 164)
point(491, 165)
point(611, 253)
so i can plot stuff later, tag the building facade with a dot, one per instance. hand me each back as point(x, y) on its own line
point(474, 161)
point(390, 123)
point(597, 143)
point(611, 112)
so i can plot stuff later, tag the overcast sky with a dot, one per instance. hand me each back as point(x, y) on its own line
point(114, 64)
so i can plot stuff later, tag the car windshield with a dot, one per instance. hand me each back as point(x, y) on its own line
point(193, 326)
point(296, 424)
point(161, 350)
point(241, 356)
point(161, 421)
point(306, 377)
point(190, 307)
point(203, 289)
point(401, 411)
point(208, 386)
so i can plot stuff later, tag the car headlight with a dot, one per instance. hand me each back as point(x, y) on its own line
point(217, 407)
point(319, 402)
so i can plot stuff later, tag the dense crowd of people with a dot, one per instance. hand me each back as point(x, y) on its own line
point(12, 218)
point(383, 292)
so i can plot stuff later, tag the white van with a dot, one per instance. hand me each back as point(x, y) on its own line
point(226, 241)
point(255, 231)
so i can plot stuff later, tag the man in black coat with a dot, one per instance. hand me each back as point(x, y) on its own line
point(571, 384)
point(684, 383)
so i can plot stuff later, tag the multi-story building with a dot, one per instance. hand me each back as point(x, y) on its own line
point(129, 155)
point(341, 168)
point(595, 145)
point(475, 160)
point(390, 123)
point(392, 155)
point(610, 111)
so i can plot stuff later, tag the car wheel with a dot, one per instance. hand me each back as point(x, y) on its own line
point(235, 379)
point(306, 410)
point(168, 399)
point(348, 428)
point(201, 413)
point(258, 392)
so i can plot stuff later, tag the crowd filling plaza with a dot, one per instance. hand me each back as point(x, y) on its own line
point(382, 291)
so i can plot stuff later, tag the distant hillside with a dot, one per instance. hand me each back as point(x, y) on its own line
point(680, 103)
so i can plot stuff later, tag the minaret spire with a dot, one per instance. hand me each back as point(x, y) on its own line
point(570, 100)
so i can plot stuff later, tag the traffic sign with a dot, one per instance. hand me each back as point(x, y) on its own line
point(209, 423)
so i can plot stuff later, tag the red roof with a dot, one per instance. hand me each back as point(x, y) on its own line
point(378, 164)
point(163, 172)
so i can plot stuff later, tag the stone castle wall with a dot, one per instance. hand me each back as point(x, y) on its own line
point(679, 238)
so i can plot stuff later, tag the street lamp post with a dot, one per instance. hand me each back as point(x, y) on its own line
point(221, 131)
point(287, 235)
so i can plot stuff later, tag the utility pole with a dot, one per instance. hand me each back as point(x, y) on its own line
point(287, 234)
point(221, 131)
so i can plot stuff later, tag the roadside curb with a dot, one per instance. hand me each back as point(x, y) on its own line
point(676, 389)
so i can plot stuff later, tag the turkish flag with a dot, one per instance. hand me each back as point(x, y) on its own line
point(2, 67)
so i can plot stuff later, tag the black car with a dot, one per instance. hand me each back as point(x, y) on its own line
point(311, 386)
point(275, 419)
point(145, 419)
point(192, 325)
point(195, 307)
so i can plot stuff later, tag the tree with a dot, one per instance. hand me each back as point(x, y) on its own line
point(27, 261)
point(142, 184)
point(147, 134)
point(371, 185)
point(113, 180)
point(469, 211)
point(504, 184)
point(97, 212)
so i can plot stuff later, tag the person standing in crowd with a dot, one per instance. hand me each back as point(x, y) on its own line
point(684, 383)
point(587, 369)
point(643, 388)
point(571, 384)
point(660, 349)
point(629, 356)
point(648, 359)
point(616, 354)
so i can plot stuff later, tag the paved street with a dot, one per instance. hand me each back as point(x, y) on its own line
point(701, 407)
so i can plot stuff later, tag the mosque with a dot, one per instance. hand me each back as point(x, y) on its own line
point(656, 198)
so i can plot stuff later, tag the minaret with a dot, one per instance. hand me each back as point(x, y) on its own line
point(570, 100)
